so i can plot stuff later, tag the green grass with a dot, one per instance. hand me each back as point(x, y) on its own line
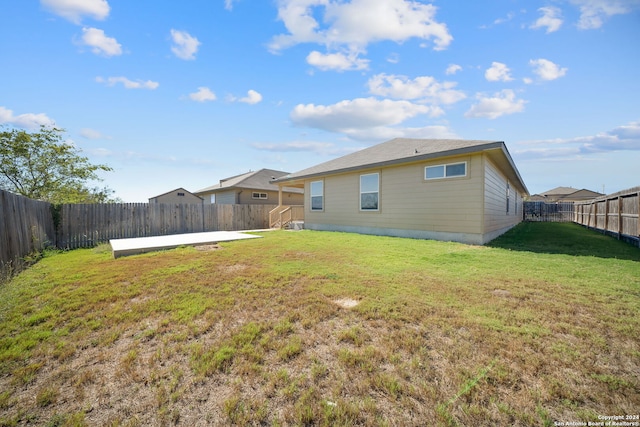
point(540, 326)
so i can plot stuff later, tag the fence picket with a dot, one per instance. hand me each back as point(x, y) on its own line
point(616, 214)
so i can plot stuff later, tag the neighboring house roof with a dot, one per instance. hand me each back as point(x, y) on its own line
point(569, 193)
point(262, 179)
point(560, 191)
point(177, 189)
point(404, 150)
point(583, 194)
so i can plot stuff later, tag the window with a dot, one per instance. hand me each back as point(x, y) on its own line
point(213, 198)
point(508, 196)
point(317, 195)
point(259, 195)
point(369, 191)
point(451, 170)
point(180, 194)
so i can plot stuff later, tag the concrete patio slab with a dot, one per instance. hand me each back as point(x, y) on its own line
point(138, 245)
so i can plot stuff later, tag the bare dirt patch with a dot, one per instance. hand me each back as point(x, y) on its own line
point(206, 248)
point(346, 302)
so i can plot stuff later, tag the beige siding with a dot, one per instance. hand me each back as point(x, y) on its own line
point(406, 201)
point(226, 198)
point(496, 217)
point(246, 198)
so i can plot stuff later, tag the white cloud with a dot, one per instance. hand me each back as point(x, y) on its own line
point(100, 43)
point(92, 134)
point(393, 58)
point(508, 18)
point(203, 94)
point(361, 118)
point(353, 25)
point(551, 19)
point(27, 120)
point(423, 88)
point(128, 84)
point(228, 4)
point(547, 70)
point(185, 45)
point(621, 138)
point(498, 72)
point(337, 61)
point(593, 13)
point(252, 97)
point(74, 10)
point(321, 148)
point(383, 133)
point(452, 69)
point(501, 103)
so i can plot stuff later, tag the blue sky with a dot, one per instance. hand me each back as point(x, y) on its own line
point(182, 94)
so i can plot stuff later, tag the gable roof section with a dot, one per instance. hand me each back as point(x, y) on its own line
point(255, 180)
point(404, 150)
point(560, 191)
point(584, 193)
point(177, 189)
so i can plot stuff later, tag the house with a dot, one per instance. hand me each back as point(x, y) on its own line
point(459, 190)
point(251, 188)
point(177, 196)
point(565, 194)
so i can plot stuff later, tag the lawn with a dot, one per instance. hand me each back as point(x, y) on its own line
point(316, 328)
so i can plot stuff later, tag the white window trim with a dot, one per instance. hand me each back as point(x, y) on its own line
point(369, 192)
point(445, 171)
point(262, 196)
point(311, 196)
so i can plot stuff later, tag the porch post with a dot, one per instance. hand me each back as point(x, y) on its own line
point(279, 194)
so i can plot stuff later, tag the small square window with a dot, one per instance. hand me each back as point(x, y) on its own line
point(433, 172)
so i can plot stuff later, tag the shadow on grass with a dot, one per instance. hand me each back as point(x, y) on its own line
point(564, 238)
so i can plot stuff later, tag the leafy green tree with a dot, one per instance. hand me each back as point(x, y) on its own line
point(41, 166)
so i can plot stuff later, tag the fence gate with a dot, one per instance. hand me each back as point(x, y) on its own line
point(548, 212)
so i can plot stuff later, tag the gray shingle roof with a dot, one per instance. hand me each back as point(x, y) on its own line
point(254, 180)
point(395, 151)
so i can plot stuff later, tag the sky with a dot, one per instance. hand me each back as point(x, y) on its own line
point(182, 94)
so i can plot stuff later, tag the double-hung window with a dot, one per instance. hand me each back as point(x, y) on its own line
point(369, 192)
point(451, 170)
point(317, 195)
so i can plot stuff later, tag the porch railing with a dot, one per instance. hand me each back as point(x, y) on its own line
point(282, 216)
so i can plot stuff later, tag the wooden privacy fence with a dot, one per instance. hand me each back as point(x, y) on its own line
point(26, 227)
point(616, 214)
point(548, 212)
point(86, 225)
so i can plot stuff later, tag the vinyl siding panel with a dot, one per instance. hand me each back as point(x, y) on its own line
point(406, 201)
point(226, 198)
point(246, 198)
point(496, 217)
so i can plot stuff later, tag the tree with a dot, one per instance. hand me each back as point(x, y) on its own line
point(41, 166)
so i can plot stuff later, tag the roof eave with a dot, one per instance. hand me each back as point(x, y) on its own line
point(416, 158)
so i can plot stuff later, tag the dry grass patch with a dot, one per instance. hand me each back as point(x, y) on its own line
point(323, 329)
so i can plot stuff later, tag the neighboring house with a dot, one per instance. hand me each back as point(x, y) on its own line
point(251, 188)
point(459, 190)
point(565, 194)
point(179, 195)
